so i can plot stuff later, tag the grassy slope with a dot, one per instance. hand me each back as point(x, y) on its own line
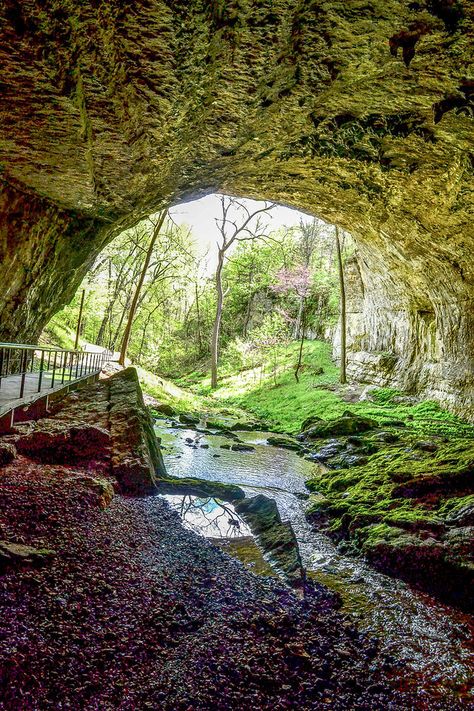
point(57, 334)
point(286, 404)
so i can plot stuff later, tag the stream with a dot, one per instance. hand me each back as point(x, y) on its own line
point(433, 641)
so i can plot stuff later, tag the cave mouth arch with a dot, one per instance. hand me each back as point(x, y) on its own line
point(312, 105)
point(411, 320)
point(297, 247)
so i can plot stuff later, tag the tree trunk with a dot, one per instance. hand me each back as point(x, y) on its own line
point(342, 287)
point(198, 314)
point(247, 316)
point(217, 321)
point(302, 327)
point(133, 307)
point(299, 319)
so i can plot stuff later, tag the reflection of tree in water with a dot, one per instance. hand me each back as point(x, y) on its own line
point(200, 513)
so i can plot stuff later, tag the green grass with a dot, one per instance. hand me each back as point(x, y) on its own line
point(285, 404)
point(60, 335)
point(186, 401)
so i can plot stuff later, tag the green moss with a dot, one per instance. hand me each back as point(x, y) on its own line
point(376, 490)
point(452, 505)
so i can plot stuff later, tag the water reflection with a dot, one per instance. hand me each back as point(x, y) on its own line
point(209, 517)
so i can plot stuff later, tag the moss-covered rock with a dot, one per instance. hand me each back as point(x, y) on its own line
point(284, 443)
point(349, 424)
point(402, 510)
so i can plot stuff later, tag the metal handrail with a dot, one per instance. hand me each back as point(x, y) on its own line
point(33, 347)
point(46, 367)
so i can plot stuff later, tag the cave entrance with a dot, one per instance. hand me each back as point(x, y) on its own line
point(267, 271)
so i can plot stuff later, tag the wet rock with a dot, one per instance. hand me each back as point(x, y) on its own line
point(242, 448)
point(463, 516)
point(274, 536)
point(225, 446)
point(230, 435)
point(204, 446)
point(348, 460)
point(330, 449)
point(17, 555)
point(7, 453)
point(245, 426)
point(200, 487)
point(284, 443)
point(189, 419)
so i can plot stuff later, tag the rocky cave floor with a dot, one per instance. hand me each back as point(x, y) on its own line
point(133, 611)
point(107, 602)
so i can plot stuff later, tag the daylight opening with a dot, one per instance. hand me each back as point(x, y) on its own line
point(215, 286)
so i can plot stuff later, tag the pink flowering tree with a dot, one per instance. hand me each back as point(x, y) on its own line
point(296, 281)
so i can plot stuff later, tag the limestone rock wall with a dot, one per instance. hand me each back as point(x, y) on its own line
point(358, 112)
point(44, 254)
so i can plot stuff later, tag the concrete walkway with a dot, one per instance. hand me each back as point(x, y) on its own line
point(10, 387)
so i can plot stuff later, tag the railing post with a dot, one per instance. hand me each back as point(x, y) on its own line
point(40, 376)
point(23, 366)
point(54, 368)
point(63, 366)
point(8, 361)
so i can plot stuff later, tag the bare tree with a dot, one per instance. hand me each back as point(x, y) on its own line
point(251, 227)
point(128, 329)
point(342, 286)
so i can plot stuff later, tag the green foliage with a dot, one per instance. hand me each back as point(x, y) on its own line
point(173, 323)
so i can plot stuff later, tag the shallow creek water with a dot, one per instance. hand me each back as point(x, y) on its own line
point(433, 640)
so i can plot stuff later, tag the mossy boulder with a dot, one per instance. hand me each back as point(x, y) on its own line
point(284, 443)
point(189, 419)
point(402, 499)
point(164, 409)
point(348, 424)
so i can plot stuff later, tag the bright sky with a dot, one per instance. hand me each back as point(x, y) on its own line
point(200, 216)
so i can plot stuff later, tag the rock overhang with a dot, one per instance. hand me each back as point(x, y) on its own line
point(358, 113)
